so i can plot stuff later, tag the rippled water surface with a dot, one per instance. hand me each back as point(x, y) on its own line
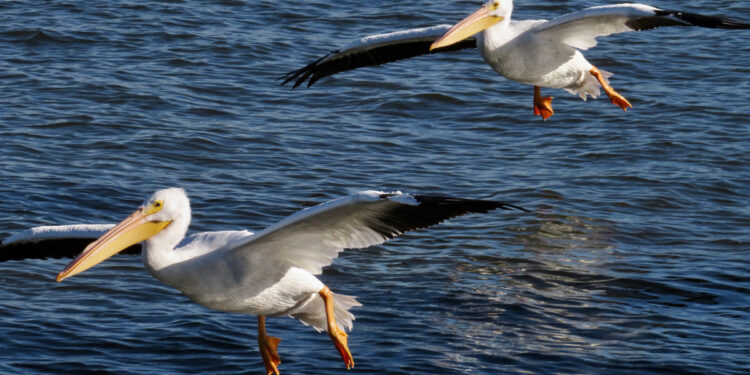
point(635, 259)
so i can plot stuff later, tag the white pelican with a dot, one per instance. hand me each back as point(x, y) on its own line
point(270, 273)
point(536, 52)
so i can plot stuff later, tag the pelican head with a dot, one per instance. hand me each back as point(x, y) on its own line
point(166, 210)
point(489, 14)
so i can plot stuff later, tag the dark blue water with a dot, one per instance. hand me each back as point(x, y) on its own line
point(636, 259)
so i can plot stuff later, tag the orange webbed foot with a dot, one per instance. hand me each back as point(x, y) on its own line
point(542, 104)
point(544, 108)
point(337, 335)
point(339, 338)
point(268, 345)
point(614, 96)
point(271, 359)
point(620, 101)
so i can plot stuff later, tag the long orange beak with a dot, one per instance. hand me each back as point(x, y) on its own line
point(474, 23)
point(134, 229)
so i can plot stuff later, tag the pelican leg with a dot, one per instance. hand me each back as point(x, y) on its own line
point(338, 336)
point(542, 105)
point(616, 98)
point(268, 345)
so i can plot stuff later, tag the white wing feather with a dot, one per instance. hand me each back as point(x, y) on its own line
point(397, 37)
point(311, 238)
point(56, 232)
point(580, 29)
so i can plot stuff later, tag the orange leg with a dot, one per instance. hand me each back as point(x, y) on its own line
point(268, 346)
point(616, 98)
point(542, 105)
point(338, 336)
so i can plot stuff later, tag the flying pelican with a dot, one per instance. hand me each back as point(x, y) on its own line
point(536, 52)
point(271, 273)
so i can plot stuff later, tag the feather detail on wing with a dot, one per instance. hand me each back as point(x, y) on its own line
point(60, 241)
point(375, 50)
point(310, 239)
point(580, 29)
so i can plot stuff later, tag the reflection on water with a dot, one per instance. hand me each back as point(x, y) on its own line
point(562, 301)
point(558, 233)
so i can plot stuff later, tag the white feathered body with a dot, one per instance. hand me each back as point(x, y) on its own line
point(202, 267)
point(515, 51)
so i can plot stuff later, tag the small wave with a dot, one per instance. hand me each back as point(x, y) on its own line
point(208, 112)
point(185, 62)
point(73, 121)
point(40, 36)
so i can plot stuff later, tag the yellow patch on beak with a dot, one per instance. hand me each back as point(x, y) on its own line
point(474, 23)
point(134, 229)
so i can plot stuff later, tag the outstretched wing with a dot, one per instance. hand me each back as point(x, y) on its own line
point(312, 238)
point(580, 29)
point(375, 50)
point(61, 241)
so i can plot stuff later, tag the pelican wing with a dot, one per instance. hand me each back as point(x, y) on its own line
point(60, 241)
point(312, 238)
point(580, 29)
point(375, 50)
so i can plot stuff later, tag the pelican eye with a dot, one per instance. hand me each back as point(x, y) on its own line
point(157, 205)
point(495, 5)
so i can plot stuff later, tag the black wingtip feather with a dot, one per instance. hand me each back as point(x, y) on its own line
point(52, 249)
point(431, 210)
point(333, 63)
point(710, 21)
point(469, 205)
point(675, 18)
point(695, 19)
point(301, 74)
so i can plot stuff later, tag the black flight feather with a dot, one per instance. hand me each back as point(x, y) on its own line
point(675, 18)
point(331, 64)
point(52, 248)
point(430, 211)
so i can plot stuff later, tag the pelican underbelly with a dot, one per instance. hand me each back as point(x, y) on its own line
point(291, 293)
point(530, 60)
